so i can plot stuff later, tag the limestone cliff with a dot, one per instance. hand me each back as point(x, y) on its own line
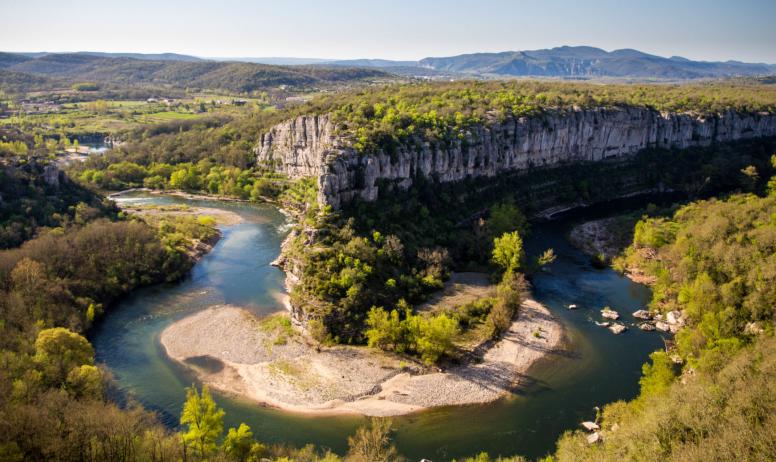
point(311, 146)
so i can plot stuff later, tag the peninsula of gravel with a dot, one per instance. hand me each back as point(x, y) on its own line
point(268, 362)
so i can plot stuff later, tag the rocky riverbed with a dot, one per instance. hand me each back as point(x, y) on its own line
point(237, 353)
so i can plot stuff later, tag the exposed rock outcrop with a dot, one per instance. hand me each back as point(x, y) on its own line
point(310, 146)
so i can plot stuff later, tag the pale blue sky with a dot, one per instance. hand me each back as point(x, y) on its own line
point(398, 29)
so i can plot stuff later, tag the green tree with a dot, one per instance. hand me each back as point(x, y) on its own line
point(204, 421)
point(384, 329)
point(59, 350)
point(506, 217)
point(656, 377)
point(436, 337)
point(508, 251)
point(186, 179)
point(372, 443)
point(239, 444)
point(85, 382)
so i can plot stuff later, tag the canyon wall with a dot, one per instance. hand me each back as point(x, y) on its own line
point(309, 146)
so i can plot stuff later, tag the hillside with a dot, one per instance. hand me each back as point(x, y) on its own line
point(591, 62)
point(713, 262)
point(231, 76)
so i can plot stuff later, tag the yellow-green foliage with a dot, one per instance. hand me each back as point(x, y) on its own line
point(443, 111)
point(715, 261)
point(723, 415)
point(508, 251)
point(431, 337)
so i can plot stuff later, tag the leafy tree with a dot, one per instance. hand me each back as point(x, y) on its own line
point(508, 251)
point(510, 296)
point(507, 217)
point(58, 351)
point(385, 330)
point(85, 382)
point(547, 257)
point(372, 443)
point(204, 421)
point(436, 337)
point(240, 445)
point(656, 377)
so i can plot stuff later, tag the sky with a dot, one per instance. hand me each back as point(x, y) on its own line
point(398, 29)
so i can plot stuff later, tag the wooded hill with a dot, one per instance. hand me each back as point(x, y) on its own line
point(211, 75)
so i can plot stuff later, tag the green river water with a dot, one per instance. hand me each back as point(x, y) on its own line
point(601, 367)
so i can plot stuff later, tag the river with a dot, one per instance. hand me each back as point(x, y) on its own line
point(601, 367)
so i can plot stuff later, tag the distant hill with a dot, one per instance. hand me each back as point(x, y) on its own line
point(231, 76)
point(145, 56)
point(567, 62)
point(278, 61)
point(590, 62)
point(11, 59)
point(373, 63)
point(149, 57)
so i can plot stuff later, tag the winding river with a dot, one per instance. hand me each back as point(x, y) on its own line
point(601, 368)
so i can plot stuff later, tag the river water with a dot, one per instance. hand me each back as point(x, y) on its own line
point(599, 368)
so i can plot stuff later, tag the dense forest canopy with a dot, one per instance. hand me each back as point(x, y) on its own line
point(715, 262)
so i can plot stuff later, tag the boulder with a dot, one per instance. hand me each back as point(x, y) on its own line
point(590, 426)
point(662, 326)
point(674, 317)
point(617, 328)
point(593, 438)
point(610, 314)
point(648, 327)
point(642, 314)
point(572, 307)
point(753, 328)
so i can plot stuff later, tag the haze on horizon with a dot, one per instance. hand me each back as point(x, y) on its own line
point(712, 30)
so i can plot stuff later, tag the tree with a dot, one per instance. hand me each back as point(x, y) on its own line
point(750, 178)
point(204, 419)
point(506, 217)
point(59, 350)
point(384, 329)
point(85, 382)
point(510, 295)
point(436, 337)
point(508, 251)
point(239, 444)
point(547, 257)
point(372, 443)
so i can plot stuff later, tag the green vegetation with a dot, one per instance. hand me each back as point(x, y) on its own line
point(235, 77)
point(431, 337)
point(204, 422)
point(438, 113)
point(366, 266)
point(712, 261)
point(29, 203)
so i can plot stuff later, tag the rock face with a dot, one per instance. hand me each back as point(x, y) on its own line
point(309, 146)
point(51, 175)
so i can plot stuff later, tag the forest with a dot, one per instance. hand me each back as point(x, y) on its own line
point(69, 255)
point(714, 400)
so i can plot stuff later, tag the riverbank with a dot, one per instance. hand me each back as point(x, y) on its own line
point(222, 217)
point(236, 353)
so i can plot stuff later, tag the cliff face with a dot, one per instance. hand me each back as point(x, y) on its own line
point(309, 146)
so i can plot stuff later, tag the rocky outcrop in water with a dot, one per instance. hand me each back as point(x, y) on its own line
point(311, 146)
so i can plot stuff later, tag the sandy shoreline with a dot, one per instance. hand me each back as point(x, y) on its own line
point(221, 216)
point(236, 353)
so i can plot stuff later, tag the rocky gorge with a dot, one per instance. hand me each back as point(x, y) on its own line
point(314, 146)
